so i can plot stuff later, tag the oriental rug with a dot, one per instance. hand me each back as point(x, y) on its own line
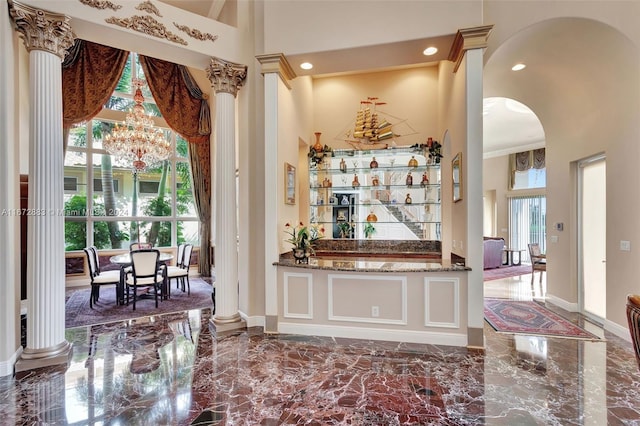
point(528, 317)
point(78, 313)
point(506, 272)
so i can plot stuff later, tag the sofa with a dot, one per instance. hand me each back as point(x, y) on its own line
point(493, 252)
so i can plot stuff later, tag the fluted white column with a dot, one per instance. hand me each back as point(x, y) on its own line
point(226, 78)
point(9, 203)
point(46, 37)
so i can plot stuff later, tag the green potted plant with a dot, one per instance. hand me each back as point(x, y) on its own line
point(369, 230)
point(345, 229)
point(302, 239)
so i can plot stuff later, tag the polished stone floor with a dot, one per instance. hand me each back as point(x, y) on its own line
point(168, 370)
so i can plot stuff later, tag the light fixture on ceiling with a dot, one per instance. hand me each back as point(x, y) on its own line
point(430, 51)
point(306, 65)
point(136, 139)
point(518, 67)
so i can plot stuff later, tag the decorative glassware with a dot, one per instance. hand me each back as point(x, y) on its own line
point(425, 179)
point(409, 179)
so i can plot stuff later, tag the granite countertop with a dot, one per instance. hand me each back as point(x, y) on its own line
point(373, 264)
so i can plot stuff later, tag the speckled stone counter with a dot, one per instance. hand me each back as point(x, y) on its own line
point(373, 264)
point(349, 247)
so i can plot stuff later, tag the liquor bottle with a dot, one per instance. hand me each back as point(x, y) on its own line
point(409, 179)
point(425, 179)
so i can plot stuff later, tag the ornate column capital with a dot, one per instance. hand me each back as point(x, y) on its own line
point(41, 30)
point(226, 76)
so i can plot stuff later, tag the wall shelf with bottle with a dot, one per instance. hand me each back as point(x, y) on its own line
point(398, 186)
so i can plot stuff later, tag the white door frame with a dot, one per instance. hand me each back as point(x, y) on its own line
point(581, 290)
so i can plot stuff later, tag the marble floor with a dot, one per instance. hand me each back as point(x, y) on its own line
point(168, 370)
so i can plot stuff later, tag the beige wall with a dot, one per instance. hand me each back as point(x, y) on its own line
point(411, 95)
point(495, 178)
point(319, 27)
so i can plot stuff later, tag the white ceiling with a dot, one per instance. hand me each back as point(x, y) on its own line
point(509, 126)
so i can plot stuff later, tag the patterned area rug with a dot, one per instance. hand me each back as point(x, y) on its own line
point(78, 312)
point(506, 272)
point(527, 317)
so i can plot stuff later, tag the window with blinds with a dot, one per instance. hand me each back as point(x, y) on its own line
point(527, 222)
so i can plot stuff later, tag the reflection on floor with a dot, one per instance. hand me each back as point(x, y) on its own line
point(168, 370)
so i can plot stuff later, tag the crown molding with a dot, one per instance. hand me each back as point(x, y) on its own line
point(277, 63)
point(467, 39)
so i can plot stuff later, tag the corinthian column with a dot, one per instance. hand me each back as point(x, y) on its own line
point(226, 79)
point(46, 37)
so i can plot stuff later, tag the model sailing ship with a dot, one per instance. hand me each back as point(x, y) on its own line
point(371, 129)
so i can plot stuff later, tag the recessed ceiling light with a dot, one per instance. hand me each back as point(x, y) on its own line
point(518, 67)
point(430, 51)
point(306, 65)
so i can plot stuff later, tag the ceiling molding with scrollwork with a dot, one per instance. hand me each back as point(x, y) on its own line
point(147, 25)
point(101, 4)
point(147, 6)
point(197, 34)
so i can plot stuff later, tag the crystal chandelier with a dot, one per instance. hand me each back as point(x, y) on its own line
point(136, 139)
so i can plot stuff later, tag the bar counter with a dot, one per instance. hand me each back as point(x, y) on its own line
point(382, 290)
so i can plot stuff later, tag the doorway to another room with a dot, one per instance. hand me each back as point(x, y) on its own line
point(592, 218)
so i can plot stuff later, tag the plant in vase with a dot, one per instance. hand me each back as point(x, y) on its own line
point(345, 229)
point(317, 152)
point(302, 238)
point(435, 152)
point(369, 230)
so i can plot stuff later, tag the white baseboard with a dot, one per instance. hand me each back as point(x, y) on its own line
point(253, 321)
point(408, 336)
point(567, 306)
point(6, 367)
point(618, 330)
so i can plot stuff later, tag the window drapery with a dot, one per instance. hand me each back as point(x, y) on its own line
point(529, 159)
point(186, 110)
point(90, 73)
point(523, 161)
point(180, 100)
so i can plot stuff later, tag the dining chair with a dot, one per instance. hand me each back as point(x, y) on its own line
point(140, 246)
point(538, 262)
point(99, 278)
point(633, 318)
point(146, 272)
point(181, 271)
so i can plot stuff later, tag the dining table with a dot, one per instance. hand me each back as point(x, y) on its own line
point(124, 260)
